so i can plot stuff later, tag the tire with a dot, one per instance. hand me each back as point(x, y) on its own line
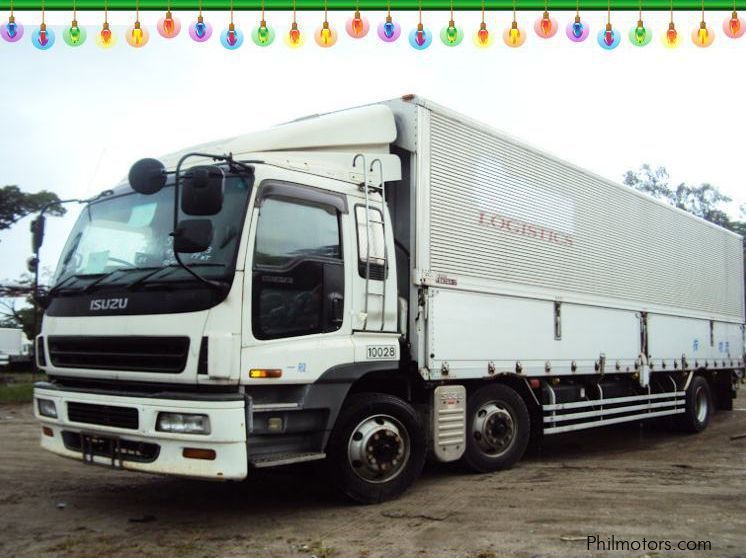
point(377, 448)
point(698, 407)
point(498, 427)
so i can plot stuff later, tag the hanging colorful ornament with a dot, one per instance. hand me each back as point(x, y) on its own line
point(74, 35)
point(514, 36)
point(546, 26)
point(105, 39)
point(671, 36)
point(262, 34)
point(420, 37)
point(609, 38)
point(294, 39)
point(357, 26)
point(168, 26)
point(137, 36)
point(325, 35)
point(734, 26)
point(11, 31)
point(200, 30)
point(451, 35)
point(231, 37)
point(640, 35)
point(577, 31)
point(389, 30)
point(703, 36)
point(43, 38)
point(482, 37)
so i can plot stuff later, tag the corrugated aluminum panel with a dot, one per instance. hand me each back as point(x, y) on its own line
point(502, 212)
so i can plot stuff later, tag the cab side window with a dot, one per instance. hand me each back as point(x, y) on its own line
point(298, 274)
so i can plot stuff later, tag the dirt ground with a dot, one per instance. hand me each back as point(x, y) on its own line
point(626, 482)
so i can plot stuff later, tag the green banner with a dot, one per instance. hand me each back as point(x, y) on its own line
point(369, 5)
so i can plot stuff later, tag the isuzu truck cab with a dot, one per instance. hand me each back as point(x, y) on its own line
point(374, 287)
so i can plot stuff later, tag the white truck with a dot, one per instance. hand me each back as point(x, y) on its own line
point(14, 347)
point(373, 287)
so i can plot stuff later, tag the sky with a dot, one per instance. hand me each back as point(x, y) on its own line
point(74, 120)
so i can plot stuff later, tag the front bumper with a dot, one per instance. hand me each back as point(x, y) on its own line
point(143, 448)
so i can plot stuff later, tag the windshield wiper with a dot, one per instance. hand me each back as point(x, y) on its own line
point(170, 267)
point(54, 290)
point(89, 288)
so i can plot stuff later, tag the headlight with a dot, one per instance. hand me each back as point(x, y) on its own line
point(46, 408)
point(180, 423)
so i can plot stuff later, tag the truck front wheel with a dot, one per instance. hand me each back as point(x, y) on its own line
point(498, 427)
point(377, 448)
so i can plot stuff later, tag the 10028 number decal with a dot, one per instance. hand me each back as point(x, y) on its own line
point(387, 352)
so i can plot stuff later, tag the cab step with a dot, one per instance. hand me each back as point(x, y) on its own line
point(278, 459)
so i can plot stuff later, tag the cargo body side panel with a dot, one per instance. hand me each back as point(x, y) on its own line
point(506, 235)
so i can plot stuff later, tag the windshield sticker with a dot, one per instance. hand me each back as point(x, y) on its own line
point(142, 215)
point(96, 262)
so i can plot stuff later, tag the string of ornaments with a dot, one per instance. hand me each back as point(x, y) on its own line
point(358, 26)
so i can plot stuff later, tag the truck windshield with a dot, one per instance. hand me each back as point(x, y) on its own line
point(130, 233)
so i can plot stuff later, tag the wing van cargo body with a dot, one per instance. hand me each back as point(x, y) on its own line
point(373, 287)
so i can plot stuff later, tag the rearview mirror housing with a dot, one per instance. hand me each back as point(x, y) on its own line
point(202, 190)
point(147, 176)
point(193, 236)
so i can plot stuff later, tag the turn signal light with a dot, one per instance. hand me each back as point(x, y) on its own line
point(47, 431)
point(194, 453)
point(265, 373)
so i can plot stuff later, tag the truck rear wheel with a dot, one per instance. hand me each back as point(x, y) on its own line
point(698, 406)
point(498, 428)
point(377, 448)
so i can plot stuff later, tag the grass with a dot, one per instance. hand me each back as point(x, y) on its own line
point(16, 393)
point(18, 387)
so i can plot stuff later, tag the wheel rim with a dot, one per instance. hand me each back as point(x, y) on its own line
point(493, 429)
point(378, 449)
point(701, 405)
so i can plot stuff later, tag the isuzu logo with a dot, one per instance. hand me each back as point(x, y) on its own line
point(109, 304)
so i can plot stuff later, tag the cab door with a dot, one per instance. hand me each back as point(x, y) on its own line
point(296, 318)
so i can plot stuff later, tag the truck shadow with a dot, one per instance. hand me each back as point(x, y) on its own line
point(305, 487)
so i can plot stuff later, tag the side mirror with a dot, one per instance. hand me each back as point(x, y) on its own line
point(147, 176)
point(37, 233)
point(193, 236)
point(202, 190)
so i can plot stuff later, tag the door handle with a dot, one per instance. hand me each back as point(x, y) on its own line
point(337, 310)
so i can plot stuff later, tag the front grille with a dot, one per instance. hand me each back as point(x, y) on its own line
point(121, 449)
point(103, 415)
point(162, 354)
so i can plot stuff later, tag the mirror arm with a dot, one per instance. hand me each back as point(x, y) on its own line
point(177, 201)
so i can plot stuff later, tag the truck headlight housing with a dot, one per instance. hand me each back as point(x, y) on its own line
point(46, 408)
point(181, 423)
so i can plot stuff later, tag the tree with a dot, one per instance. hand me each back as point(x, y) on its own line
point(16, 204)
point(705, 200)
point(16, 305)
